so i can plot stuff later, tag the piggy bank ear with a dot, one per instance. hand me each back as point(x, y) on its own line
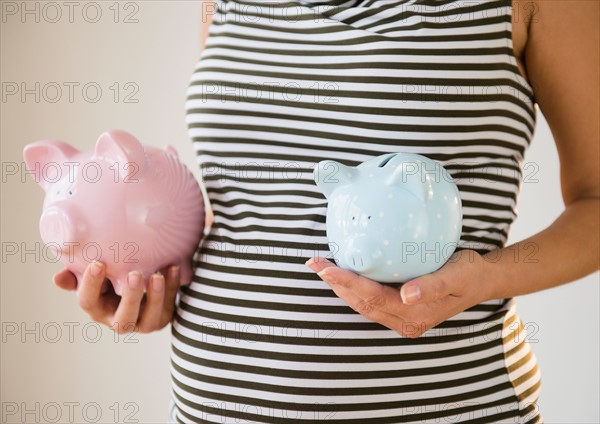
point(170, 149)
point(122, 147)
point(330, 175)
point(39, 154)
point(412, 176)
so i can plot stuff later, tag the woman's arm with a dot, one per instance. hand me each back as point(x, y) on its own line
point(562, 64)
point(562, 58)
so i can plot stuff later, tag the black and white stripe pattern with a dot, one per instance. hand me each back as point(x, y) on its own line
point(282, 85)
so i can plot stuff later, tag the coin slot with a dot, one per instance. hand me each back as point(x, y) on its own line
point(386, 160)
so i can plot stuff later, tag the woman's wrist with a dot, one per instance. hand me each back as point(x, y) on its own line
point(469, 268)
point(482, 272)
point(566, 250)
point(490, 274)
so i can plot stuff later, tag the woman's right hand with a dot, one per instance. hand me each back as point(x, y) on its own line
point(134, 311)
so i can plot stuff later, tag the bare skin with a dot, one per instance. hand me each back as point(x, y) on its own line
point(556, 44)
point(134, 311)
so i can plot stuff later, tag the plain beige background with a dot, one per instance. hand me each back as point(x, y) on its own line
point(53, 359)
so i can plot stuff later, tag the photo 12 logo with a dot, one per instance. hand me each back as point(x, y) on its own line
point(69, 412)
point(52, 12)
point(69, 92)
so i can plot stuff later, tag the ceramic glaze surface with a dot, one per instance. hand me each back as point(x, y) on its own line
point(133, 207)
point(391, 218)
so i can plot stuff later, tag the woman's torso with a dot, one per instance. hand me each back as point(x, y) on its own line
point(258, 336)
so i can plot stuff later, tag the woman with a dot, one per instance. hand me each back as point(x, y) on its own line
point(268, 332)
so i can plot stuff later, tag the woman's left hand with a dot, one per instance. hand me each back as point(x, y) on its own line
point(421, 303)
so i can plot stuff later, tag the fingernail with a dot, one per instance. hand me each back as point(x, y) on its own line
point(312, 265)
point(316, 263)
point(96, 268)
point(134, 278)
point(326, 277)
point(158, 282)
point(173, 272)
point(410, 294)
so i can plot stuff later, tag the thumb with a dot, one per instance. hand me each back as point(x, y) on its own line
point(65, 279)
point(427, 288)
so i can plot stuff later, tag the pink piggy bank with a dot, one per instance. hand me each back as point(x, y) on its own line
point(130, 206)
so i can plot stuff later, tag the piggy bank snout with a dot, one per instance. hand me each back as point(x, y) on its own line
point(57, 226)
point(359, 259)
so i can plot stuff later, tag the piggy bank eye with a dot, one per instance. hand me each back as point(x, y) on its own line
point(369, 217)
point(70, 192)
point(353, 218)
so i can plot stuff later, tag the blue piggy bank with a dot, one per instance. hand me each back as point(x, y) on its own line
point(392, 218)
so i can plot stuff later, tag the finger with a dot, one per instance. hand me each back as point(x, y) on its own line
point(427, 288)
point(65, 279)
point(88, 291)
point(172, 285)
point(364, 307)
point(380, 296)
point(317, 263)
point(127, 312)
point(152, 310)
point(186, 273)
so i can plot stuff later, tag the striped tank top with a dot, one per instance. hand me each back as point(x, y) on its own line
point(281, 85)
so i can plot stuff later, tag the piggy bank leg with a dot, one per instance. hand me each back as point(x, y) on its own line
point(185, 272)
point(118, 284)
point(79, 278)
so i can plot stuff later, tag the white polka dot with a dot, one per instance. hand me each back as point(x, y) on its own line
point(349, 174)
point(438, 215)
point(386, 242)
point(390, 195)
point(396, 274)
point(371, 175)
point(410, 215)
point(381, 214)
point(389, 262)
